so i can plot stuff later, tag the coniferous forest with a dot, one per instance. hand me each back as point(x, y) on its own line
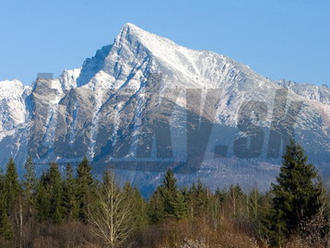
point(73, 209)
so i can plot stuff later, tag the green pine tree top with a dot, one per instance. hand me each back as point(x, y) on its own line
point(295, 195)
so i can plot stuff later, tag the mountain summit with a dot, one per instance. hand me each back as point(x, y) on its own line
point(144, 103)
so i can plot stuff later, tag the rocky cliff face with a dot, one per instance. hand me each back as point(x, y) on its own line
point(145, 103)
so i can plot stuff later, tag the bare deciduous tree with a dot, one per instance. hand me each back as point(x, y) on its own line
point(110, 214)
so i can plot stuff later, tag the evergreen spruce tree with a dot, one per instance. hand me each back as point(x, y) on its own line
point(139, 211)
point(69, 194)
point(49, 196)
point(84, 183)
point(6, 231)
point(296, 195)
point(30, 178)
point(180, 207)
point(156, 207)
point(55, 190)
point(169, 182)
point(188, 200)
point(9, 194)
point(29, 185)
point(168, 192)
point(161, 203)
point(42, 199)
point(168, 201)
point(199, 199)
point(11, 185)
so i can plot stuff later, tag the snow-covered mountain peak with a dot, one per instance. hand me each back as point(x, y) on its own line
point(130, 32)
point(69, 78)
point(136, 51)
point(194, 68)
point(160, 47)
point(13, 89)
point(12, 105)
point(11, 85)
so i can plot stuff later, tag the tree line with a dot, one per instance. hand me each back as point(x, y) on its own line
point(73, 209)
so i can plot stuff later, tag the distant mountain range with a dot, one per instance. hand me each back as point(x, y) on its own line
point(144, 103)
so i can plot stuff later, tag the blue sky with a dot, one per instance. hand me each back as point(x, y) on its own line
point(278, 38)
